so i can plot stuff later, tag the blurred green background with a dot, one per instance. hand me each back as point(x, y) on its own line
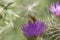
point(40, 11)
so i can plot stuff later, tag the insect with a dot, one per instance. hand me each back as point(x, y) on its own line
point(32, 18)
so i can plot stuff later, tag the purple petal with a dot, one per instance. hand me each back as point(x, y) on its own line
point(24, 27)
point(32, 29)
point(40, 27)
point(52, 8)
point(55, 9)
point(58, 10)
point(57, 4)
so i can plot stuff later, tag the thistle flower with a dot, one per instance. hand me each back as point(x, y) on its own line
point(33, 29)
point(55, 9)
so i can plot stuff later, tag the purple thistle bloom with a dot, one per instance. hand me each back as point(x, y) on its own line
point(55, 9)
point(33, 29)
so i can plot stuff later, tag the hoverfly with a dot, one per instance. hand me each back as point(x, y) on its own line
point(32, 18)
